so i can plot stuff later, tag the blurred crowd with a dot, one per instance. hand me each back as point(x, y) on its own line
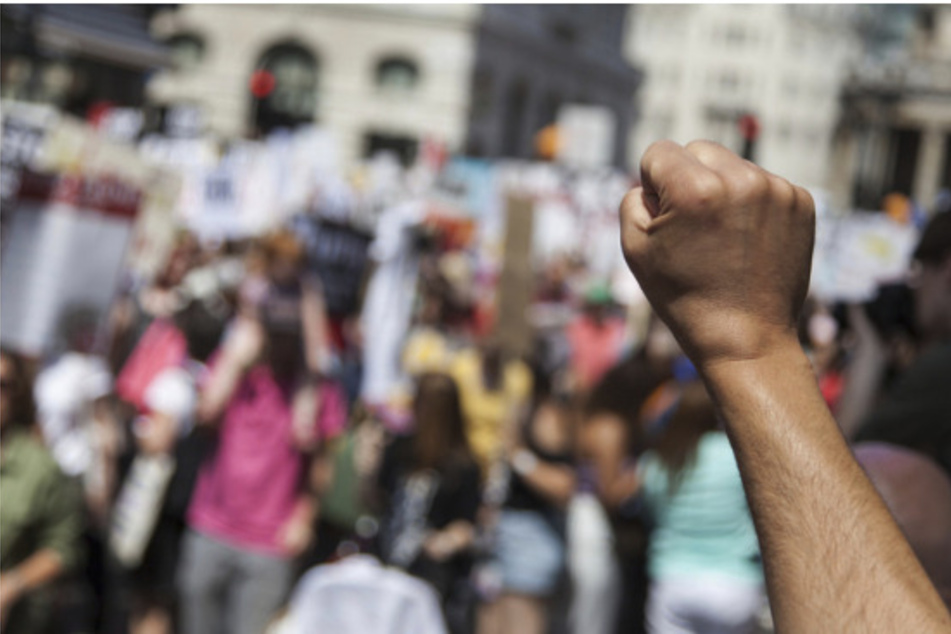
point(222, 467)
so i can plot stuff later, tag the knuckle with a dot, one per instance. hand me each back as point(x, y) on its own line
point(654, 151)
point(704, 146)
point(704, 190)
point(783, 193)
point(804, 202)
point(752, 183)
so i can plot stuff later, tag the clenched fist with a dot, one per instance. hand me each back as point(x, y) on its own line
point(721, 247)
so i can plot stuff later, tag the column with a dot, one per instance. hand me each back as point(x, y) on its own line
point(930, 160)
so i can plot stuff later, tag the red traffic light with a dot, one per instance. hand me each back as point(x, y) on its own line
point(262, 83)
point(749, 127)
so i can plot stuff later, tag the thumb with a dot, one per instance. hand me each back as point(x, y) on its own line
point(635, 220)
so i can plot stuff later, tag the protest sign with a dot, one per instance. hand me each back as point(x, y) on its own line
point(67, 243)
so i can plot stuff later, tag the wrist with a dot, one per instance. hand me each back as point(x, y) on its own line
point(782, 347)
point(524, 462)
point(15, 583)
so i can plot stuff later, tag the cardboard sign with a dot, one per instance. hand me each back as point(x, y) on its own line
point(67, 244)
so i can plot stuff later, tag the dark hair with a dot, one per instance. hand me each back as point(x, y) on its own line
point(23, 408)
point(201, 327)
point(693, 417)
point(439, 438)
point(935, 243)
point(622, 392)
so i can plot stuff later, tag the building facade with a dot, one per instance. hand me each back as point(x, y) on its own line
point(895, 132)
point(534, 59)
point(378, 76)
point(706, 66)
point(73, 57)
point(478, 79)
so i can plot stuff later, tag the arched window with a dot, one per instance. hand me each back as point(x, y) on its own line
point(284, 86)
point(187, 49)
point(397, 75)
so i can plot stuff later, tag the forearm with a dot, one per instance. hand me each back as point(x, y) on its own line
point(37, 571)
point(457, 536)
point(218, 391)
point(613, 493)
point(861, 385)
point(817, 516)
point(314, 318)
point(554, 482)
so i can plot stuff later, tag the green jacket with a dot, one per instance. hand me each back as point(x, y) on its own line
point(39, 509)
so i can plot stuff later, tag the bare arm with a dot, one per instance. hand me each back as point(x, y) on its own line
point(722, 249)
point(314, 319)
point(241, 350)
point(605, 440)
point(554, 482)
point(864, 376)
point(37, 571)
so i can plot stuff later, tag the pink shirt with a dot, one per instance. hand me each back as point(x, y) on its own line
point(249, 486)
point(594, 350)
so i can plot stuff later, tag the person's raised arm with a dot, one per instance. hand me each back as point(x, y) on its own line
point(241, 350)
point(722, 249)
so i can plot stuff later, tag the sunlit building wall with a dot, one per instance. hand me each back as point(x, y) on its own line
point(707, 65)
point(895, 132)
point(386, 76)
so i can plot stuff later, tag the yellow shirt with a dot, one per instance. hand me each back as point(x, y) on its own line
point(426, 350)
point(487, 412)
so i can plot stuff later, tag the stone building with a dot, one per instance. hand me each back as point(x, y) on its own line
point(73, 56)
point(706, 66)
point(533, 59)
point(483, 79)
point(895, 130)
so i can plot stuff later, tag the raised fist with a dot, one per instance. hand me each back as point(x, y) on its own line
point(721, 248)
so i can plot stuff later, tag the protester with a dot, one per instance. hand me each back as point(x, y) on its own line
point(80, 423)
point(41, 515)
point(73, 399)
point(494, 392)
point(529, 534)
point(429, 485)
point(596, 337)
point(918, 494)
point(150, 510)
point(608, 531)
point(359, 596)
point(253, 510)
point(916, 412)
point(703, 557)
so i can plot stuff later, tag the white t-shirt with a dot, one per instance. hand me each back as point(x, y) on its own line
point(358, 595)
point(174, 392)
point(64, 393)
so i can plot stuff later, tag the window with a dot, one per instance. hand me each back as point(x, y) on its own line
point(482, 93)
point(735, 35)
point(287, 93)
point(729, 82)
point(403, 147)
point(187, 50)
point(397, 75)
point(516, 101)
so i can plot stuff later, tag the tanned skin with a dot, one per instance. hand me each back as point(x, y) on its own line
point(723, 249)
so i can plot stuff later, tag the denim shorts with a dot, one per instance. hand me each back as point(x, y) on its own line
point(529, 551)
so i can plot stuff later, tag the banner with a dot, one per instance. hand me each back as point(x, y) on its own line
point(857, 253)
point(67, 243)
point(338, 254)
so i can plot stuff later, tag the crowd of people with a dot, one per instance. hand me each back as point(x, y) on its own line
point(219, 469)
